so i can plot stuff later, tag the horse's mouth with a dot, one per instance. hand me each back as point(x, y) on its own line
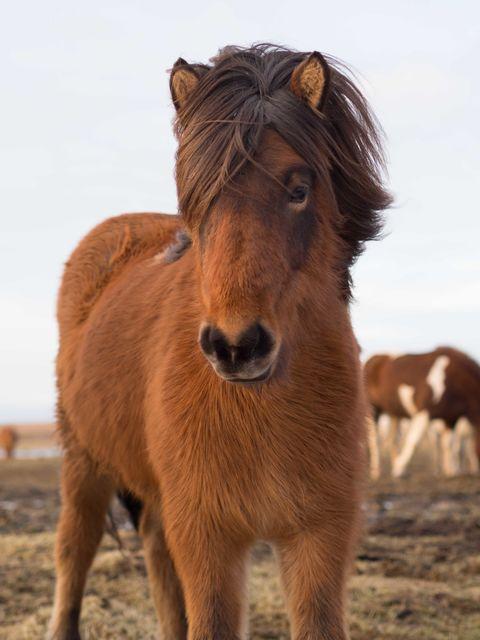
point(250, 381)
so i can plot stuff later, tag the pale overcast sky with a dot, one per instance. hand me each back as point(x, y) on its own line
point(85, 132)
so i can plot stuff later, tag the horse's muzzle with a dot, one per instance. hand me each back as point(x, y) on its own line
point(249, 359)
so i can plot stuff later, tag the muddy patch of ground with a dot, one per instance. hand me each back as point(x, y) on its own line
point(417, 573)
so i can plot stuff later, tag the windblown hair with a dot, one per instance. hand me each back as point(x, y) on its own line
point(247, 90)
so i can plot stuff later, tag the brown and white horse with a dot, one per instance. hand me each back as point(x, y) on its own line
point(207, 362)
point(8, 441)
point(440, 388)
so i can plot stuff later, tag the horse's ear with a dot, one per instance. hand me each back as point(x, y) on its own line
point(310, 80)
point(184, 78)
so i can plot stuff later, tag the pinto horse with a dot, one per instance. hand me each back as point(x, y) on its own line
point(441, 387)
point(207, 362)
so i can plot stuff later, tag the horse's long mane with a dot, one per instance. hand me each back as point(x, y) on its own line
point(245, 90)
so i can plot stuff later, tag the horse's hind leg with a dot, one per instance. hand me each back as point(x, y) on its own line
point(465, 438)
point(85, 499)
point(393, 439)
point(164, 583)
point(418, 427)
point(373, 448)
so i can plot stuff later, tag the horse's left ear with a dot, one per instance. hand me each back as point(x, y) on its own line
point(184, 78)
point(310, 80)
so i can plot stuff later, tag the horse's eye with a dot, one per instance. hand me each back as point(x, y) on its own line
point(299, 194)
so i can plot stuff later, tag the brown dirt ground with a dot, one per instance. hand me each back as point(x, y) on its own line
point(417, 573)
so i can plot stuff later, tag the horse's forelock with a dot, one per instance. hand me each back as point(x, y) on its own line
point(247, 90)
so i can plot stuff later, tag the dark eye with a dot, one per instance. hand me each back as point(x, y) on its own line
point(299, 194)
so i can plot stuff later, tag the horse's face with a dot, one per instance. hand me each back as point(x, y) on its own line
point(254, 238)
point(255, 192)
point(253, 243)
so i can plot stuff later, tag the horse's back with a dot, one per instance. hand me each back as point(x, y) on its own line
point(102, 254)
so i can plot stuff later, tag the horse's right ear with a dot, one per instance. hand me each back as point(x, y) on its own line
point(184, 78)
point(310, 80)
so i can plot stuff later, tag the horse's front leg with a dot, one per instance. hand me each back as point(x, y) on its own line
point(85, 499)
point(213, 576)
point(314, 566)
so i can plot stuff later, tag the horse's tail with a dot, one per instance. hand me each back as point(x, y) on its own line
point(133, 505)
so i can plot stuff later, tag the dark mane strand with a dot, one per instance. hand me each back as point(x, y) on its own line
point(246, 90)
point(176, 250)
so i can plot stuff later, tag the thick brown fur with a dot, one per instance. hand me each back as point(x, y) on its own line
point(219, 465)
point(8, 441)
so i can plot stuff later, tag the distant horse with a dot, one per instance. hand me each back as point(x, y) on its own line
point(207, 362)
point(440, 388)
point(8, 441)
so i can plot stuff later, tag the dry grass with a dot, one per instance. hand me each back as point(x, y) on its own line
point(417, 574)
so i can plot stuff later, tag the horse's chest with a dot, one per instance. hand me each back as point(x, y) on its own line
point(250, 486)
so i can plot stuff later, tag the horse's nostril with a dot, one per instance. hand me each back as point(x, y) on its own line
point(204, 340)
point(214, 343)
point(254, 343)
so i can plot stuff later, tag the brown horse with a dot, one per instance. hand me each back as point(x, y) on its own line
point(207, 362)
point(8, 441)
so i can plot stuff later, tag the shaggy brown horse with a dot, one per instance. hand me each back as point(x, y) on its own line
point(207, 361)
point(8, 441)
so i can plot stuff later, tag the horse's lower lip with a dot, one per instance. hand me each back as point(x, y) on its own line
point(260, 378)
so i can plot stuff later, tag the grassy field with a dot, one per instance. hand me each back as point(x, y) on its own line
point(417, 574)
